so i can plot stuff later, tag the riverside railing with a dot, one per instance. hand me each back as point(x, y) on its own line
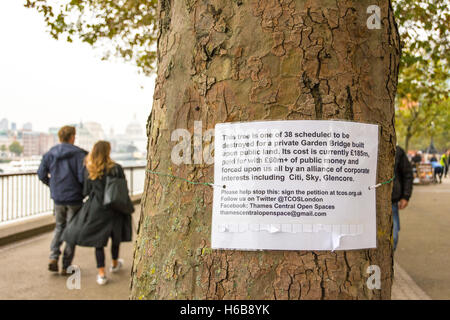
point(23, 195)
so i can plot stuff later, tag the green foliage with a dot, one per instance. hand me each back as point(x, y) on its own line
point(3, 148)
point(424, 30)
point(424, 72)
point(125, 28)
point(128, 28)
point(439, 129)
point(16, 148)
point(419, 125)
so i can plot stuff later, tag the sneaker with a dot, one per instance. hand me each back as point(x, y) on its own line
point(53, 266)
point(119, 266)
point(101, 280)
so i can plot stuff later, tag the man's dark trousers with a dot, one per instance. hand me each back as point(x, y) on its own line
point(63, 214)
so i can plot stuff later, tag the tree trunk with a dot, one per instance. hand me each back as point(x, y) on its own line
point(407, 138)
point(227, 61)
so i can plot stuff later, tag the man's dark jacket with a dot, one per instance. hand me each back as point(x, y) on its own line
point(65, 164)
point(403, 181)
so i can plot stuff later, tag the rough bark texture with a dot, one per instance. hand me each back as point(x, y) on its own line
point(226, 61)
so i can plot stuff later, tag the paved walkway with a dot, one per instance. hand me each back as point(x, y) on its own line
point(24, 275)
point(421, 269)
point(404, 287)
point(424, 241)
point(29, 279)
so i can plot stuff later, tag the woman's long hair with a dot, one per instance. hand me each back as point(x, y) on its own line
point(98, 160)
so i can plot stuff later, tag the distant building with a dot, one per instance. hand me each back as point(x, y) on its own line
point(37, 143)
point(28, 126)
point(4, 124)
point(5, 140)
point(46, 142)
point(30, 144)
point(19, 134)
point(13, 126)
point(88, 134)
point(134, 129)
point(133, 141)
point(53, 130)
point(95, 129)
point(111, 139)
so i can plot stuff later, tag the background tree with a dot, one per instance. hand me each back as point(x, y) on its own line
point(442, 128)
point(419, 122)
point(424, 77)
point(16, 148)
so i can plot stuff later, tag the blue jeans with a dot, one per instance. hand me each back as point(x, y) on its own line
point(396, 223)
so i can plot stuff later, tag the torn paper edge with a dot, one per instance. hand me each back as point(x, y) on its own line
point(337, 231)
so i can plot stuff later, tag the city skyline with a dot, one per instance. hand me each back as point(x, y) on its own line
point(28, 125)
point(35, 143)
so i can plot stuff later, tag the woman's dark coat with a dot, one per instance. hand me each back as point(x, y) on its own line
point(94, 223)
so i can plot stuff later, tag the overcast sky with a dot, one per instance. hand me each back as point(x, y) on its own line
point(52, 83)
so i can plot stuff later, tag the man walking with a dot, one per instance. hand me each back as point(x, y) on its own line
point(445, 161)
point(62, 168)
point(402, 189)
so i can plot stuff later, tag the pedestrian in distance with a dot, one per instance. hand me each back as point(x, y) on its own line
point(402, 189)
point(445, 161)
point(417, 159)
point(62, 169)
point(433, 158)
point(415, 162)
point(96, 222)
point(438, 170)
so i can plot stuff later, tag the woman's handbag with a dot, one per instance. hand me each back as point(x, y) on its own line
point(116, 195)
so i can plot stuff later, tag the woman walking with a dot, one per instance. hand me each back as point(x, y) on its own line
point(95, 223)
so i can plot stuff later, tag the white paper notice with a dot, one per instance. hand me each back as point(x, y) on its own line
point(295, 185)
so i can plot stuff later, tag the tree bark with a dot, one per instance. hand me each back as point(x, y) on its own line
point(227, 61)
point(407, 139)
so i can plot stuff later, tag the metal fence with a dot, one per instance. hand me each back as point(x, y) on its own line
point(22, 195)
